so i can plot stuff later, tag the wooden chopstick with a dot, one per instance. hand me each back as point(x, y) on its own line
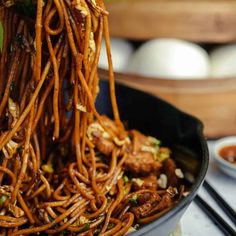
point(215, 217)
point(229, 211)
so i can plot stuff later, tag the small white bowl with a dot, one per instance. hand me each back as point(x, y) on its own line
point(225, 166)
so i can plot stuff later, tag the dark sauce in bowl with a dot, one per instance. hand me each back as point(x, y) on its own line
point(228, 153)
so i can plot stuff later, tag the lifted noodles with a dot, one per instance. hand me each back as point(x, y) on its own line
point(64, 168)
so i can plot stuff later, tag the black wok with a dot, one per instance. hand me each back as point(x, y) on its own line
point(181, 132)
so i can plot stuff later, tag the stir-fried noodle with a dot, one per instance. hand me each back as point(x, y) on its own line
point(64, 168)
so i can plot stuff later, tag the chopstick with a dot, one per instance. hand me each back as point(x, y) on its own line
point(229, 211)
point(215, 217)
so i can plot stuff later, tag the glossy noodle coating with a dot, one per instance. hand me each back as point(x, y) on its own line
point(64, 168)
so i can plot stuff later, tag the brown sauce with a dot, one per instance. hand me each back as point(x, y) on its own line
point(228, 153)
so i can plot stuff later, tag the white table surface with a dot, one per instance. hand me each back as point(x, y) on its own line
point(195, 222)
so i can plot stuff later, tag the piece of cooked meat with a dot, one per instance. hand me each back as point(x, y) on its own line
point(146, 202)
point(104, 145)
point(141, 158)
point(163, 204)
point(142, 163)
point(139, 140)
point(149, 182)
point(102, 139)
point(110, 124)
point(151, 203)
point(169, 168)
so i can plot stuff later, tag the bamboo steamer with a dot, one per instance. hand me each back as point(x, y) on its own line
point(213, 101)
point(194, 20)
point(209, 21)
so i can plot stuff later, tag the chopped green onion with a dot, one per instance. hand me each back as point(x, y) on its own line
point(134, 200)
point(164, 153)
point(138, 181)
point(125, 179)
point(154, 141)
point(1, 35)
point(86, 227)
point(3, 198)
point(110, 226)
point(47, 168)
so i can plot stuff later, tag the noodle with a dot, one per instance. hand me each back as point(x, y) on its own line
point(65, 169)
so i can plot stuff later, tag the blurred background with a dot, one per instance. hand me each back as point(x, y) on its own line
point(181, 50)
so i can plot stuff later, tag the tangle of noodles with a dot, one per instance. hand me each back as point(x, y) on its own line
point(64, 168)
